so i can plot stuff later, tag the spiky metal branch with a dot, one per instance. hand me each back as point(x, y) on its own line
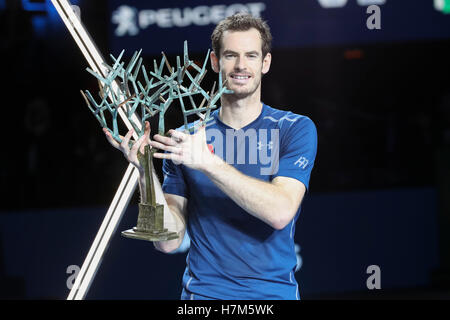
point(155, 94)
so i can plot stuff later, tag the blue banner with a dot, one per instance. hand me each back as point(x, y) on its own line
point(164, 25)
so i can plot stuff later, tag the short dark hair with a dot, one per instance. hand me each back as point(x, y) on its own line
point(242, 22)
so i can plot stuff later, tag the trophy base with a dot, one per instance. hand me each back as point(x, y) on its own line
point(163, 235)
point(150, 225)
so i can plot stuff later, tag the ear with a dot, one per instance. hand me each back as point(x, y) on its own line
point(266, 63)
point(214, 62)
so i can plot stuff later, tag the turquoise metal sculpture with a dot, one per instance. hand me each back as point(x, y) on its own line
point(166, 90)
point(142, 95)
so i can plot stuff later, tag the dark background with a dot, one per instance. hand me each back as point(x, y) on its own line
point(379, 191)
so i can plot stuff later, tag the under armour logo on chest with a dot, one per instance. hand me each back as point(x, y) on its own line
point(262, 145)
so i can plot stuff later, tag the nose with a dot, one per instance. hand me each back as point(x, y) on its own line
point(240, 64)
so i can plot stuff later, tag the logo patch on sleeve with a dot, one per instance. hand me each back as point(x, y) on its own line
point(302, 162)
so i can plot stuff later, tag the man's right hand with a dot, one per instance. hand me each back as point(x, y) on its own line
point(138, 146)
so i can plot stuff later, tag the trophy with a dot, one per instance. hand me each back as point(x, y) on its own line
point(142, 95)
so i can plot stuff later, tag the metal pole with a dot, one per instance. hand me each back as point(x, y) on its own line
point(129, 181)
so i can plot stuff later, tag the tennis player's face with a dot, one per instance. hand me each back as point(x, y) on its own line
point(242, 63)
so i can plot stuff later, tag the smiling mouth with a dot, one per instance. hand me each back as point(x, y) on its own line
point(240, 77)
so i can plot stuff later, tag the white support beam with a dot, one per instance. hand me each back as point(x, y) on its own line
point(104, 235)
point(129, 181)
